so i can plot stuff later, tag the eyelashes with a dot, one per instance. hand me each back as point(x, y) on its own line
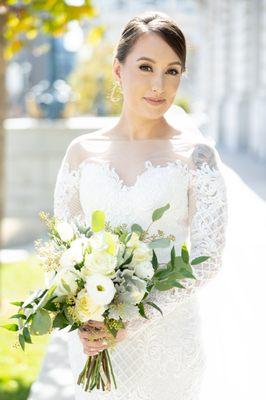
point(172, 69)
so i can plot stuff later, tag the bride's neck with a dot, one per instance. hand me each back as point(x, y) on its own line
point(132, 129)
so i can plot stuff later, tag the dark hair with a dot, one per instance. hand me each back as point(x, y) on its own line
point(152, 21)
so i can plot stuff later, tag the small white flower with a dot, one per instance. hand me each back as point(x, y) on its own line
point(99, 262)
point(141, 253)
point(127, 312)
point(71, 257)
point(134, 240)
point(86, 309)
point(65, 231)
point(65, 279)
point(100, 288)
point(144, 270)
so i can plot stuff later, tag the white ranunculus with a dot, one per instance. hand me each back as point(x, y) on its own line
point(144, 270)
point(100, 288)
point(134, 240)
point(65, 231)
point(141, 253)
point(99, 262)
point(67, 276)
point(105, 241)
point(79, 246)
point(71, 257)
point(86, 309)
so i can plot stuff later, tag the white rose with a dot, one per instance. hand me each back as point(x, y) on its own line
point(65, 231)
point(100, 288)
point(144, 270)
point(67, 276)
point(105, 241)
point(141, 253)
point(71, 257)
point(86, 309)
point(99, 262)
point(134, 240)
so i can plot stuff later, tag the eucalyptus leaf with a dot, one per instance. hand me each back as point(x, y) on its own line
point(199, 260)
point(136, 228)
point(16, 303)
point(155, 306)
point(41, 322)
point(21, 341)
point(10, 327)
point(22, 316)
point(158, 213)
point(142, 310)
point(161, 243)
point(98, 220)
point(26, 335)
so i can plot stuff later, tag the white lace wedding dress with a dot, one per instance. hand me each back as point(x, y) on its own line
point(162, 358)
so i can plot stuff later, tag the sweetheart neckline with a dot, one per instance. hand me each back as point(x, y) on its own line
point(148, 164)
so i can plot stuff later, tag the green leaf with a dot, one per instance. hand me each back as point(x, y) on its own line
point(17, 303)
point(41, 322)
point(184, 253)
point(73, 327)
point(60, 321)
point(65, 286)
point(35, 295)
point(19, 316)
point(47, 296)
point(142, 310)
point(136, 228)
point(173, 256)
point(179, 264)
point(21, 341)
point(155, 306)
point(199, 260)
point(161, 243)
point(26, 335)
point(98, 220)
point(154, 261)
point(10, 327)
point(158, 213)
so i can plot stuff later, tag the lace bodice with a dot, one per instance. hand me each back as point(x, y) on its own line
point(186, 175)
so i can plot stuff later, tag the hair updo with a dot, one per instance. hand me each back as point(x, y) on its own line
point(152, 21)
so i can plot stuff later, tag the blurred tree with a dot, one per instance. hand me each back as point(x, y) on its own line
point(92, 82)
point(20, 22)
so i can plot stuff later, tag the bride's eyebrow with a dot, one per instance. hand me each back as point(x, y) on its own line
point(154, 62)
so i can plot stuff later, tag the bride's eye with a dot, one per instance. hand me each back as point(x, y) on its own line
point(148, 66)
point(144, 65)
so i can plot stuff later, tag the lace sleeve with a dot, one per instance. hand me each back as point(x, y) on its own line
point(208, 215)
point(66, 194)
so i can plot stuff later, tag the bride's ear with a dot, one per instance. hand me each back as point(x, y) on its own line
point(117, 70)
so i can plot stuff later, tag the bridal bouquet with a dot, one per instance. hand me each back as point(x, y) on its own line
point(98, 273)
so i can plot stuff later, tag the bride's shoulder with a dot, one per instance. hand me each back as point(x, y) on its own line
point(83, 143)
point(198, 154)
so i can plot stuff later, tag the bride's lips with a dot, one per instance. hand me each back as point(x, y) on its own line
point(153, 101)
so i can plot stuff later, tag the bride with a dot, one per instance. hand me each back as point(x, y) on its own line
point(142, 163)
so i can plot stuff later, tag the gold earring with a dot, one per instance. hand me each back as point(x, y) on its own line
point(112, 98)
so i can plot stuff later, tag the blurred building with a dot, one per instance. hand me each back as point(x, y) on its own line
point(232, 73)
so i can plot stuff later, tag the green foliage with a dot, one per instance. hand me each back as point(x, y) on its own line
point(25, 19)
point(18, 369)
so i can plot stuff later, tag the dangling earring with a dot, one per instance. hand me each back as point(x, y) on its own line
point(112, 98)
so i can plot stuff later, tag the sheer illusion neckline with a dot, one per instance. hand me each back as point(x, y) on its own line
point(111, 171)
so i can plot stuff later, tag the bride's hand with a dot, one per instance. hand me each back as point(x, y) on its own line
point(100, 343)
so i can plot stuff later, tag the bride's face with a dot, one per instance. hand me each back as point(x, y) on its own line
point(141, 78)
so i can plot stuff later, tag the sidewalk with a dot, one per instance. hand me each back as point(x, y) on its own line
point(232, 307)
